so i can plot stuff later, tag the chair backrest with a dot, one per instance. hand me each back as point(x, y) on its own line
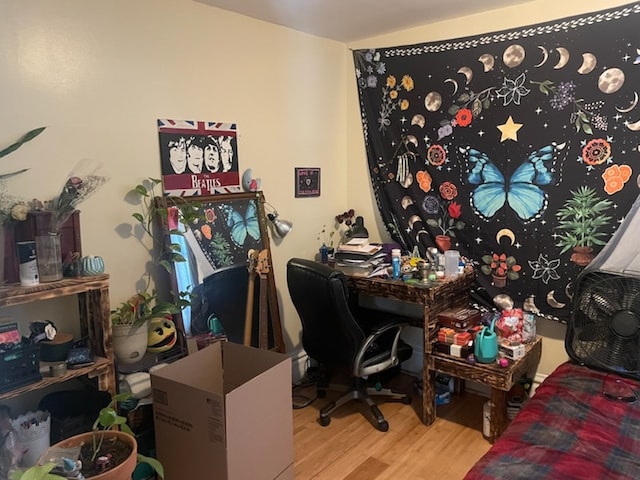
point(330, 333)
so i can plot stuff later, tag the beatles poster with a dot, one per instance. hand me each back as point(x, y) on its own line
point(198, 158)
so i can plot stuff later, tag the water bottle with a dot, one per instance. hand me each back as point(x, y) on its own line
point(324, 254)
point(395, 262)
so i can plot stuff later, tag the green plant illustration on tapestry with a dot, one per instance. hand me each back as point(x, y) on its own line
point(581, 219)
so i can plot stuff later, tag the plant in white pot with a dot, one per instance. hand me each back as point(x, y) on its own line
point(130, 320)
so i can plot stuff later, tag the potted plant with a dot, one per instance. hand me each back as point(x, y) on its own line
point(130, 321)
point(448, 214)
point(107, 453)
point(579, 220)
point(500, 267)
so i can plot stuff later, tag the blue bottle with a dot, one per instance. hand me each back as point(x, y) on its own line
point(395, 262)
point(324, 254)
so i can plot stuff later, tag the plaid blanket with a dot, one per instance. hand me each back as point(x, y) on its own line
point(570, 430)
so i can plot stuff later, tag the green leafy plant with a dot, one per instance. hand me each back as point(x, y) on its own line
point(108, 419)
point(146, 304)
point(580, 218)
point(37, 472)
point(501, 266)
point(12, 208)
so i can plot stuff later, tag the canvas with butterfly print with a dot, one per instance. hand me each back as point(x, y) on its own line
point(519, 145)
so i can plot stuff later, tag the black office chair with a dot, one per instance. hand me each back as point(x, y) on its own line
point(342, 336)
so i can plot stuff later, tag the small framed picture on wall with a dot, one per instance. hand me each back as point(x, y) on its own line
point(307, 182)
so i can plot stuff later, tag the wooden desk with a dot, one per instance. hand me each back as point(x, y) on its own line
point(500, 379)
point(434, 298)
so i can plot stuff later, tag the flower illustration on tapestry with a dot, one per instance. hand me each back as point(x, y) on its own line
point(467, 107)
point(391, 98)
point(544, 269)
point(369, 66)
point(447, 211)
point(512, 90)
point(596, 152)
point(584, 115)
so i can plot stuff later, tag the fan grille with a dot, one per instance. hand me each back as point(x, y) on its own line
point(604, 330)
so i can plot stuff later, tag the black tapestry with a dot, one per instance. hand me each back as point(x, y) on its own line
point(516, 148)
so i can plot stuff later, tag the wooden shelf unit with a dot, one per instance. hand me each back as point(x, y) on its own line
point(95, 323)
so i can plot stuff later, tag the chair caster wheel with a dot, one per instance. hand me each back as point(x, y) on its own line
point(324, 421)
point(406, 400)
point(383, 426)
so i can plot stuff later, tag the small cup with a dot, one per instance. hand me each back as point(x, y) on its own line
point(58, 369)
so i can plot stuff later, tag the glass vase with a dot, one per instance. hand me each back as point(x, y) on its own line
point(49, 257)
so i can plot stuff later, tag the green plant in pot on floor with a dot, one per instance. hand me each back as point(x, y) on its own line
point(110, 450)
point(131, 320)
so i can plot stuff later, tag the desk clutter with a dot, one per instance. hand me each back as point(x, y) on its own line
point(468, 334)
point(387, 261)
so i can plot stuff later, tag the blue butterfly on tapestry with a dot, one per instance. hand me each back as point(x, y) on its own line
point(241, 226)
point(522, 193)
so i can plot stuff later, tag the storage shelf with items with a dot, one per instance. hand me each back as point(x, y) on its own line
point(93, 303)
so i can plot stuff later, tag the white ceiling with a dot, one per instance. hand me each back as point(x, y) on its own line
point(351, 20)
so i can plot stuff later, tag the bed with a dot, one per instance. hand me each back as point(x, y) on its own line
point(580, 424)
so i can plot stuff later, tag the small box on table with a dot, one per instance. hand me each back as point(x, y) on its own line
point(459, 318)
point(459, 351)
point(512, 352)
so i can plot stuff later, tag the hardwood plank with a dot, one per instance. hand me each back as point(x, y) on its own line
point(350, 448)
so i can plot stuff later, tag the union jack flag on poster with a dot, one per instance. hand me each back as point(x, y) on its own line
point(198, 158)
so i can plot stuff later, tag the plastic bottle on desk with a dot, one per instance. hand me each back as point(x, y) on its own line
point(395, 262)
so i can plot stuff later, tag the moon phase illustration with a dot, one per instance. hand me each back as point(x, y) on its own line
point(505, 232)
point(412, 139)
point(589, 62)
point(467, 72)
point(631, 106)
point(412, 220)
point(406, 201)
point(545, 56)
point(564, 58)
point(611, 80)
point(513, 55)
point(455, 84)
point(553, 302)
point(633, 126)
point(487, 61)
point(418, 120)
point(432, 101)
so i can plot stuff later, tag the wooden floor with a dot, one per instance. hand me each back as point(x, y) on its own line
point(350, 448)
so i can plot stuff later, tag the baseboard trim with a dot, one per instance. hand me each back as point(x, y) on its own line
point(537, 380)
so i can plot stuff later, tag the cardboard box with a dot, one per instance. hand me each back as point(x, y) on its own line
point(225, 412)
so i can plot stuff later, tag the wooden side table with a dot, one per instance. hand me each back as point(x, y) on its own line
point(500, 379)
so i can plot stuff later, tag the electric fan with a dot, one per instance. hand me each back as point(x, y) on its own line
point(604, 329)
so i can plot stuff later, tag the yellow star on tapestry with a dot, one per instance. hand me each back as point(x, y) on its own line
point(509, 130)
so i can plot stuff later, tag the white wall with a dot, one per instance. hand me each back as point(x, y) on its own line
point(360, 195)
point(99, 74)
